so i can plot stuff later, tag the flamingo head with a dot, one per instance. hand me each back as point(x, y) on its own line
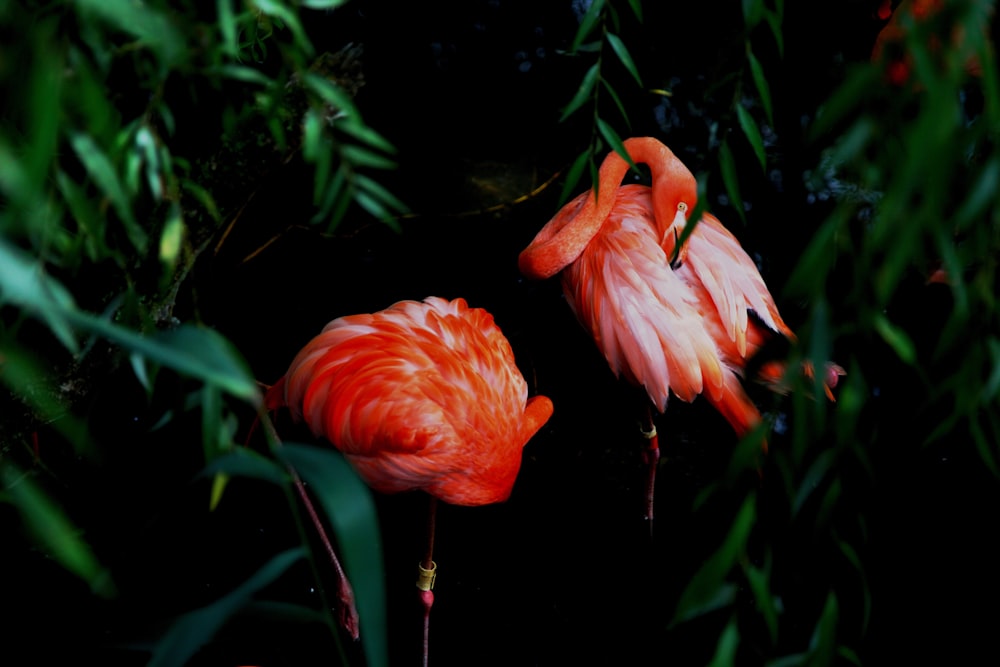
point(675, 194)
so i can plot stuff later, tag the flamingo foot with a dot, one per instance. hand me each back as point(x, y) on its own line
point(652, 457)
point(425, 582)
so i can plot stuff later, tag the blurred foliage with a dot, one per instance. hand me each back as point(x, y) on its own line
point(112, 182)
point(597, 38)
point(904, 265)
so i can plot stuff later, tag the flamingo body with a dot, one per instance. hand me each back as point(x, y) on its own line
point(422, 395)
point(685, 328)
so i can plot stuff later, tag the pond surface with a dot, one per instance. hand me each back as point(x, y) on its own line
point(566, 571)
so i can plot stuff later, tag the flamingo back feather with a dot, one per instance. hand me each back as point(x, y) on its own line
point(422, 395)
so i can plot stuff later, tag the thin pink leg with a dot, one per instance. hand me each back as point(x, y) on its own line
point(652, 456)
point(427, 572)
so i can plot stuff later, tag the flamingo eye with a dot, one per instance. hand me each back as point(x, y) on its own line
point(682, 207)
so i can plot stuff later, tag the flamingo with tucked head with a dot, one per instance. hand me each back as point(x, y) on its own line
point(420, 396)
point(685, 328)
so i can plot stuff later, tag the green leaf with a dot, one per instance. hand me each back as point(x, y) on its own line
point(752, 11)
point(614, 141)
point(149, 25)
point(332, 94)
point(587, 23)
point(763, 89)
point(366, 158)
point(708, 589)
point(322, 4)
point(172, 238)
point(243, 462)
point(573, 175)
point(617, 100)
point(896, 338)
point(618, 46)
point(290, 18)
point(52, 530)
point(190, 632)
point(582, 93)
point(24, 283)
point(759, 581)
point(822, 645)
point(752, 133)
point(244, 74)
point(228, 27)
point(349, 506)
point(191, 350)
point(102, 172)
point(727, 166)
point(725, 649)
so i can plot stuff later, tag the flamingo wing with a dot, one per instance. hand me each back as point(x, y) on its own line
point(423, 395)
point(638, 311)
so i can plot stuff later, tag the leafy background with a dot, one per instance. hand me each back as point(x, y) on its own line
point(191, 190)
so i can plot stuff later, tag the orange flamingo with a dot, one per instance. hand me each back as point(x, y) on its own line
point(422, 395)
point(687, 327)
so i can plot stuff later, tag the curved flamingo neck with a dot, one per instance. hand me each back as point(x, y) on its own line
point(563, 238)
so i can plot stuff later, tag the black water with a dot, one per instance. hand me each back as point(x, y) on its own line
point(565, 571)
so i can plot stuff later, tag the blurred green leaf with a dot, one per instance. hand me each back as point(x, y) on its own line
point(573, 175)
point(190, 350)
point(752, 133)
point(102, 171)
point(760, 580)
point(822, 646)
point(348, 505)
point(707, 589)
point(148, 24)
point(53, 530)
point(896, 338)
point(190, 632)
point(277, 9)
point(24, 283)
point(727, 166)
point(725, 649)
point(243, 462)
point(760, 81)
point(587, 24)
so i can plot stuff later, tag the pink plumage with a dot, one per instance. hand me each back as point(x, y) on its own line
point(422, 395)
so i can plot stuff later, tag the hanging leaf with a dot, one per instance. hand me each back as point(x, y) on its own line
point(752, 133)
point(349, 506)
point(618, 46)
point(190, 632)
point(727, 166)
point(582, 93)
point(53, 531)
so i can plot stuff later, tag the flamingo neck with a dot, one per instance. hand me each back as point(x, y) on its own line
point(563, 238)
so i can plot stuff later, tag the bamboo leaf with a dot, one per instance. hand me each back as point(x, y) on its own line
point(191, 350)
point(727, 166)
point(618, 46)
point(349, 506)
point(760, 81)
point(193, 630)
point(752, 133)
point(582, 93)
point(708, 590)
point(53, 531)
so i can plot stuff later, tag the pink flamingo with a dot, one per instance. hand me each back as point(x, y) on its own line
point(681, 327)
point(422, 395)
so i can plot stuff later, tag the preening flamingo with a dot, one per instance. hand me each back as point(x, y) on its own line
point(422, 395)
point(686, 328)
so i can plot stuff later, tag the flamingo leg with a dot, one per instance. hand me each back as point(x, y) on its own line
point(347, 612)
point(652, 456)
point(426, 574)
